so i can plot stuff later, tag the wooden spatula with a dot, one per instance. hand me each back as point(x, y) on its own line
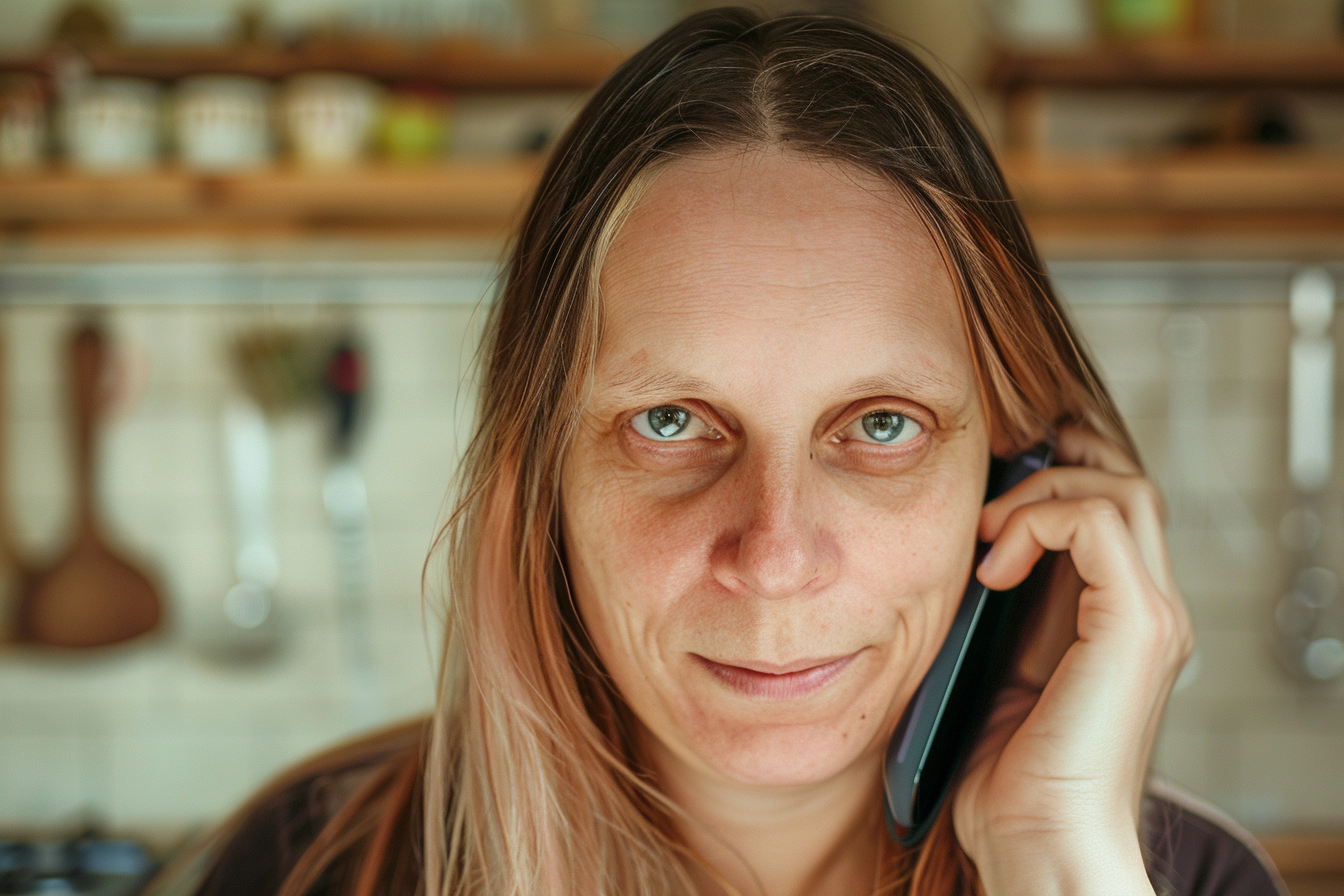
point(91, 596)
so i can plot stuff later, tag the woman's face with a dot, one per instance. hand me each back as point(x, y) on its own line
point(770, 509)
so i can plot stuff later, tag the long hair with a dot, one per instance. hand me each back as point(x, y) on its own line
point(533, 781)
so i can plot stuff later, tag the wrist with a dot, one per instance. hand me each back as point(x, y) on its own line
point(1065, 865)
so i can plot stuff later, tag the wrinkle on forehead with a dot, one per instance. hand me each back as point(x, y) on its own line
point(736, 183)
point(763, 241)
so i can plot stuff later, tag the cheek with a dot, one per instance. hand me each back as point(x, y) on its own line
point(640, 564)
point(630, 558)
point(911, 543)
point(907, 566)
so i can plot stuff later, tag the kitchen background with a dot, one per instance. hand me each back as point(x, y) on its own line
point(288, 316)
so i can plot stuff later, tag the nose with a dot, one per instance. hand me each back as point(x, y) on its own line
point(775, 544)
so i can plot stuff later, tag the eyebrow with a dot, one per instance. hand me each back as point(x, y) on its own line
point(631, 380)
point(909, 383)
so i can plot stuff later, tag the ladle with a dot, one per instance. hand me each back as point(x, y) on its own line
point(91, 595)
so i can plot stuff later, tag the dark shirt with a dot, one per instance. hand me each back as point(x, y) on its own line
point(1195, 850)
point(1192, 849)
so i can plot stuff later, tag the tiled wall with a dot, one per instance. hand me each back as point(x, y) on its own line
point(168, 732)
point(162, 734)
point(1240, 731)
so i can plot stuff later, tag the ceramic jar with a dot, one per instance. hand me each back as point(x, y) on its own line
point(329, 118)
point(112, 125)
point(222, 122)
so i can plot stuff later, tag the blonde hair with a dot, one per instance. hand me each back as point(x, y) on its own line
point(533, 780)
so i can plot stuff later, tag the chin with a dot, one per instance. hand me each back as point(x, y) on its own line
point(780, 742)
point(787, 756)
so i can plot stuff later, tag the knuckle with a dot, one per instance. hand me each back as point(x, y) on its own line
point(1184, 636)
point(1160, 625)
point(1186, 646)
point(1170, 635)
point(1146, 494)
point(1100, 509)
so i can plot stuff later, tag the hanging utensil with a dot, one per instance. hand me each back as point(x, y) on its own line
point(14, 570)
point(251, 627)
point(1310, 633)
point(347, 503)
point(92, 595)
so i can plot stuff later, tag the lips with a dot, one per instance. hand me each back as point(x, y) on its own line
point(768, 681)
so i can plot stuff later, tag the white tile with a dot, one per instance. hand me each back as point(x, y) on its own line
point(34, 345)
point(1291, 775)
point(173, 777)
point(197, 567)
point(1235, 666)
point(41, 779)
point(40, 478)
point(399, 559)
point(101, 682)
point(1187, 754)
point(1125, 340)
point(424, 348)
point(307, 565)
point(304, 668)
point(411, 460)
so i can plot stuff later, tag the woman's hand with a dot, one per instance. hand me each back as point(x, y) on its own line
point(1050, 797)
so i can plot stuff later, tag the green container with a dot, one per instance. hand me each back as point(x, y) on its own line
point(1145, 18)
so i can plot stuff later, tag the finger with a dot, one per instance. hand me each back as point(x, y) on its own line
point(1120, 595)
point(1091, 529)
point(1137, 498)
point(1082, 447)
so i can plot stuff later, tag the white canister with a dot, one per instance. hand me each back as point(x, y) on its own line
point(222, 122)
point(112, 124)
point(23, 123)
point(329, 118)
point(1044, 22)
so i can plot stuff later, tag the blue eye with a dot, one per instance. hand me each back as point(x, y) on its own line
point(665, 424)
point(888, 427)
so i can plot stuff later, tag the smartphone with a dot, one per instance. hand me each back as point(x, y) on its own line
point(946, 712)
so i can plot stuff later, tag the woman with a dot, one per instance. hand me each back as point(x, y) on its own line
point(769, 315)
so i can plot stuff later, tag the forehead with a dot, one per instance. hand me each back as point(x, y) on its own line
point(760, 255)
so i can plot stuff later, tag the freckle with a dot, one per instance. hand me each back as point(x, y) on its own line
point(863, 716)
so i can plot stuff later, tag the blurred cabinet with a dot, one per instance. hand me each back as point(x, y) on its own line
point(1213, 149)
point(456, 63)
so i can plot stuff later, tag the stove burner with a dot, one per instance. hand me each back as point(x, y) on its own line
point(86, 866)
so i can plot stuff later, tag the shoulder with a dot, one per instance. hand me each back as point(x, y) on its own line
point(1195, 850)
point(288, 823)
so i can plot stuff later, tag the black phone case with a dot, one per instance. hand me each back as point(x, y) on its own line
point(946, 712)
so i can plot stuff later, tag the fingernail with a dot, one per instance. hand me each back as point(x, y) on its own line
point(985, 561)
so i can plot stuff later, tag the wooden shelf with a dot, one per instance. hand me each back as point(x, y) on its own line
point(479, 199)
point(1288, 203)
point(457, 63)
point(1171, 65)
point(1234, 182)
point(1306, 853)
point(1025, 78)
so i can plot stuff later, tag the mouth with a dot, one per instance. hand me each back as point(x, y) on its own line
point(766, 681)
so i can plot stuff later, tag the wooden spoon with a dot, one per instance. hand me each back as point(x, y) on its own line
point(90, 596)
point(14, 570)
